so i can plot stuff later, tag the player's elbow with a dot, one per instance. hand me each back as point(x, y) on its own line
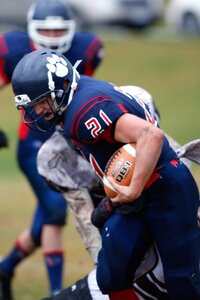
point(158, 136)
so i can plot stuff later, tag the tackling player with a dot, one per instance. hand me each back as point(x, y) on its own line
point(99, 117)
point(50, 24)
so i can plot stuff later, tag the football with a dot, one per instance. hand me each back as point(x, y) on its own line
point(120, 166)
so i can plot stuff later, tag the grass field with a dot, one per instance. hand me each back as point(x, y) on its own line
point(170, 70)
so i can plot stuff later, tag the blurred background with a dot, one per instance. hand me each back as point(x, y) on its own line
point(154, 44)
point(182, 15)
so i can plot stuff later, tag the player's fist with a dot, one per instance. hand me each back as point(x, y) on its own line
point(102, 212)
point(3, 139)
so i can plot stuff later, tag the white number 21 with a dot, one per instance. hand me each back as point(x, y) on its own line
point(94, 126)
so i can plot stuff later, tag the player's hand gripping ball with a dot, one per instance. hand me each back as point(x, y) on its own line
point(120, 167)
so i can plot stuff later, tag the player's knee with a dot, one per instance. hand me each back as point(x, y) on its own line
point(55, 209)
point(36, 235)
point(56, 216)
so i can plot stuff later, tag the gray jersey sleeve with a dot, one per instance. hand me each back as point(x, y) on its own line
point(59, 163)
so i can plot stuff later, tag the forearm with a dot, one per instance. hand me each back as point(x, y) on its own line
point(148, 149)
point(149, 142)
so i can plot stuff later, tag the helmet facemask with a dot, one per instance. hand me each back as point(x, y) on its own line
point(52, 116)
point(61, 43)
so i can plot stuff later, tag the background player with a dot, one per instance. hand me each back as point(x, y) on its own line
point(50, 24)
point(98, 115)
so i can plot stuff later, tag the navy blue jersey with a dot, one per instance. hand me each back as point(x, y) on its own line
point(91, 117)
point(89, 49)
point(14, 45)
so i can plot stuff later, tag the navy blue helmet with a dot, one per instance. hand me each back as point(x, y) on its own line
point(39, 74)
point(51, 15)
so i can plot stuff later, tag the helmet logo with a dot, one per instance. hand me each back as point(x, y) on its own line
point(58, 66)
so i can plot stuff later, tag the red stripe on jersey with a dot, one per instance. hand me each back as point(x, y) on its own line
point(88, 69)
point(82, 107)
point(174, 162)
point(3, 78)
point(96, 167)
point(3, 45)
point(90, 53)
point(122, 108)
point(86, 111)
point(154, 177)
point(92, 49)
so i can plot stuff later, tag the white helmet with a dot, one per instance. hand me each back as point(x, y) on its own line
point(51, 15)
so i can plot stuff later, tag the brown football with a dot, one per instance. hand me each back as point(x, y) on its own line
point(120, 166)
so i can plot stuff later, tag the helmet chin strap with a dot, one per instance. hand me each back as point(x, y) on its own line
point(74, 84)
point(52, 88)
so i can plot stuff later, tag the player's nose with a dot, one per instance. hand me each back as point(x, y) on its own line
point(39, 109)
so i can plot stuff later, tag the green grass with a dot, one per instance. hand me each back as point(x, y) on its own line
point(170, 70)
point(30, 282)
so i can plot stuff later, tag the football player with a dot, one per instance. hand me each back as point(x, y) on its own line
point(162, 199)
point(50, 24)
point(74, 176)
